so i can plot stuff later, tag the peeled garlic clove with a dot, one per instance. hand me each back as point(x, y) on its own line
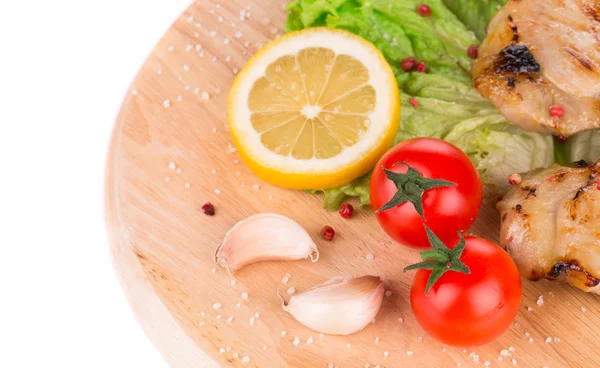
point(340, 306)
point(264, 237)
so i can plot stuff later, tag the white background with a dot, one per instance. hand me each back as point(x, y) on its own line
point(64, 69)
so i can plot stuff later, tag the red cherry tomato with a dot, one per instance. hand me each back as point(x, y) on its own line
point(469, 309)
point(446, 209)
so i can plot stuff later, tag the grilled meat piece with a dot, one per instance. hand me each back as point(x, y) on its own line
point(540, 54)
point(550, 224)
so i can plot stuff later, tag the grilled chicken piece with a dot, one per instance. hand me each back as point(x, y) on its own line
point(550, 224)
point(540, 54)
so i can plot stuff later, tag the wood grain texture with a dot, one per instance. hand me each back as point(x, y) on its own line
point(163, 244)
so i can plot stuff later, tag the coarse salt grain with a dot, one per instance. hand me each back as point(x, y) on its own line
point(158, 71)
point(487, 363)
point(385, 354)
point(529, 309)
point(233, 282)
point(245, 296)
point(377, 339)
point(226, 41)
point(201, 324)
point(186, 67)
point(189, 48)
point(369, 256)
point(218, 316)
point(548, 340)
point(348, 346)
point(213, 130)
point(171, 48)
point(237, 305)
point(179, 98)
point(167, 103)
point(420, 338)
point(172, 165)
point(220, 18)
point(583, 309)
point(227, 58)
point(511, 348)
point(251, 321)
point(388, 293)
point(217, 191)
point(222, 350)
point(187, 185)
point(205, 95)
point(526, 333)
point(556, 339)
point(500, 358)
point(531, 339)
point(246, 359)
point(134, 92)
point(228, 349)
point(238, 34)
point(265, 347)
point(296, 341)
point(514, 362)
point(321, 336)
point(229, 319)
point(291, 290)
point(256, 315)
point(214, 270)
point(255, 186)
point(504, 352)
point(540, 301)
point(212, 33)
point(409, 352)
point(309, 340)
point(400, 319)
point(235, 355)
point(217, 305)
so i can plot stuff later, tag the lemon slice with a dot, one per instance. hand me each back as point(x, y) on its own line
point(314, 109)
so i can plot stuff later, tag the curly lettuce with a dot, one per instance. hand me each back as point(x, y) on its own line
point(449, 107)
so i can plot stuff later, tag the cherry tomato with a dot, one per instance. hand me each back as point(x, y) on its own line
point(446, 209)
point(469, 309)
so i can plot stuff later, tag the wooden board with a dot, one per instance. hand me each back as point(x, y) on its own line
point(163, 244)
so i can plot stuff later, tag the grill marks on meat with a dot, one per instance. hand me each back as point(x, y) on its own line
point(550, 224)
point(539, 54)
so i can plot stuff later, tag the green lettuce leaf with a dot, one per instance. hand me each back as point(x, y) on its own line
point(475, 14)
point(583, 146)
point(449, 107)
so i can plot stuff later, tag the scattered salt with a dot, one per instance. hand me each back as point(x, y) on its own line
point(321, 336)
point(218, 316)
point(255, 186)
point(237, 305)
point(283, 333)
point(222, 350)
point(400, 320)
point(167, 179)
point(377, 339)
point(229, 319)
point(158, 71)
point(171, 48)
point(511, 348)
point(583, 309)
point(172, 165)
point(369, 256)
point(265, 347)
point(212, 33)
point(529, 309)
point(214, 130)
point(134, 92)
point(238, 34)
point(504, 352)
point(420, 338)
point(186, 67)
point(220, 19)
point(548, 340)
point(556, 339)
point(226, 41)
point(189, 48)
point(444, 350)
point(487, 363)
point(388, 293)
point(531, 339)
point(217, 191)
point(235, 355)
point(179, 98)
point(201, 324)
point(246, 359)
point(385, 354)
point(348, 346)
point(291, 290)
point(514, 362)
point(205, 95)
point(166, 103)
point(309, 340)
point(296, 341)
point(540, 301)
point(409, 352)
point(187, 185)
point(252, 321)
point(245, 296)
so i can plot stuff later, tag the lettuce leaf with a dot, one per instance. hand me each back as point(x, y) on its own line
point(450, 107)
point(583, 146)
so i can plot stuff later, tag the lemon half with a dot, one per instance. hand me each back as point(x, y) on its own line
point(314, 109)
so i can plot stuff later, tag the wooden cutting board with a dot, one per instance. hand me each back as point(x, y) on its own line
point(171, 152)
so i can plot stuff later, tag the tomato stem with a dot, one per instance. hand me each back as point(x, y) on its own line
point(411, 187)
point(440, 259)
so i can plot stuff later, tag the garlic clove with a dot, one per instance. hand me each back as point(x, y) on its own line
point(341, 306)
point(264, 237)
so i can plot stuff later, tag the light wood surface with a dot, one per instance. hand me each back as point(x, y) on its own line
point(163, 244)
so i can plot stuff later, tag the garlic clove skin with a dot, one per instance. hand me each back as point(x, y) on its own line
point(264, 237)
point(341, 306)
